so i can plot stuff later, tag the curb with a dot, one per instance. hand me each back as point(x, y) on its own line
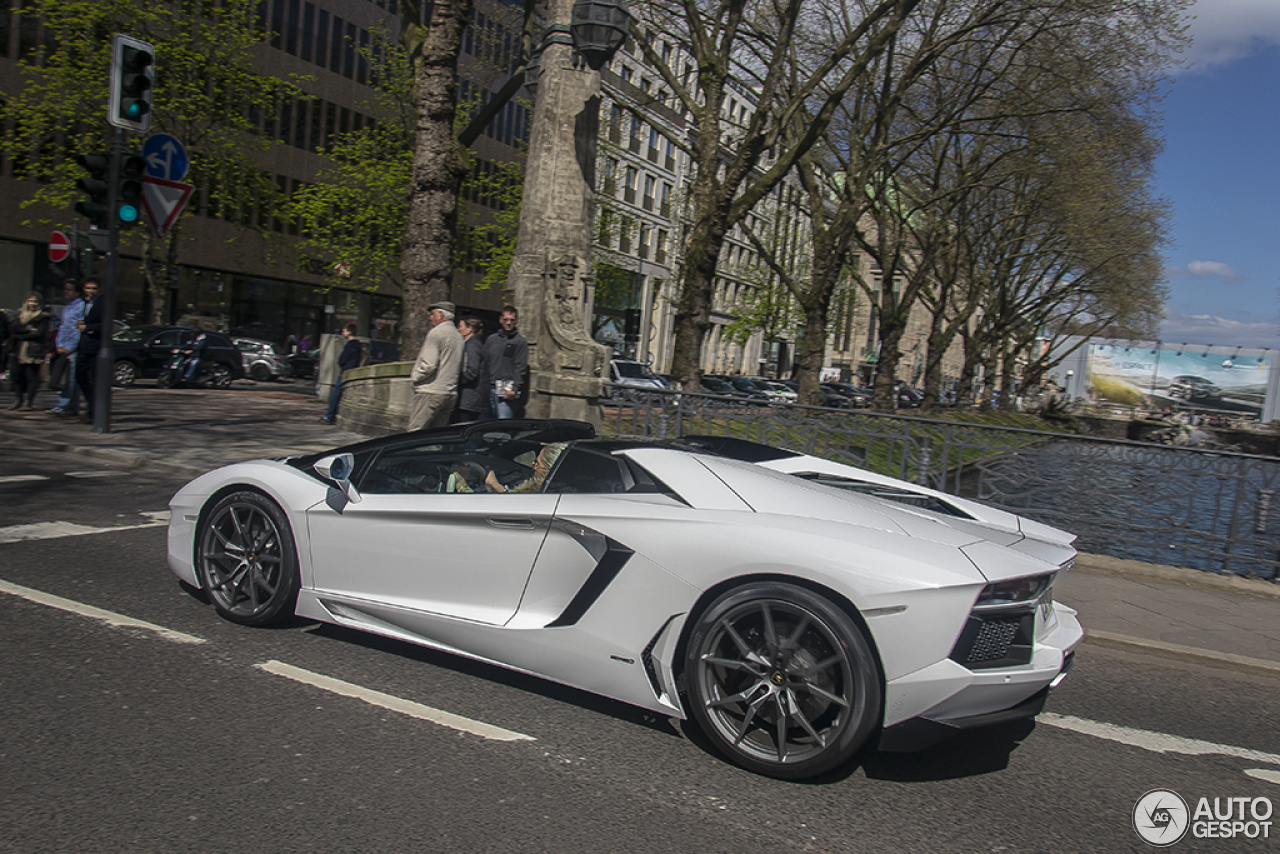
point(1109, 565)
point(107, 454)
point(1190, 654)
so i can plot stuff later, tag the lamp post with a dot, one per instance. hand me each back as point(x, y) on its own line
point(552, 268)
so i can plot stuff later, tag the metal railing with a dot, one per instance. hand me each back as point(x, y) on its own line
point(1206, 509)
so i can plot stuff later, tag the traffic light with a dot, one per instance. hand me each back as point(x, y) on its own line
point(133, 167)
point(95, 186)
point(132, 72)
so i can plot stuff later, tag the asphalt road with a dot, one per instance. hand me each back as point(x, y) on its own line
point(126, 738)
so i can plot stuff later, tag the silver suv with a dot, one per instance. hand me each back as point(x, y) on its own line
point(262, 360)
point(1190, 387)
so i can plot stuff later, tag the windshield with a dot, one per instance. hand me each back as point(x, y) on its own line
point(634, 371)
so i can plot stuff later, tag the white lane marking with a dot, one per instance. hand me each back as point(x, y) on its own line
point(1262, 774)
point(54, 530)
point(22, 478)
point(109, 617)
point(395, 704)
point(85, 474)
point(1156, 742)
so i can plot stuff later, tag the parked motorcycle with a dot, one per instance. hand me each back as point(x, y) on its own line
point(208, 375)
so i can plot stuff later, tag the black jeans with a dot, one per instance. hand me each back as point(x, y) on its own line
point(86, 374)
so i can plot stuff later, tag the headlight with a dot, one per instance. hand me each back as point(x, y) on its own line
point(1015, 591)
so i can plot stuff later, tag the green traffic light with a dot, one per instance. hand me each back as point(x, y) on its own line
point(128, 214)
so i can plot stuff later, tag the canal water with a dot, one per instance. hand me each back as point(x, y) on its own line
point(1204, 510)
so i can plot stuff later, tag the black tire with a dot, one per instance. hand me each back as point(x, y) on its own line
point(260, 373)
point(166, 379)
point(781, 681)
point(218, 376)
point(246, 559)
point(125, 373)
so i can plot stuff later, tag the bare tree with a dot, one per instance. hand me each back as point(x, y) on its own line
point(737, 160)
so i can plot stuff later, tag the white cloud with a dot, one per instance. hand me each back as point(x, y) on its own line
point(1225, 30)
point(1211, 329)
point(1205, 270)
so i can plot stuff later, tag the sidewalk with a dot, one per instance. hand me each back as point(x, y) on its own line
point(1225, 622)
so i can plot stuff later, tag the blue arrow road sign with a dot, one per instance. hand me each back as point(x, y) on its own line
point(166, 157)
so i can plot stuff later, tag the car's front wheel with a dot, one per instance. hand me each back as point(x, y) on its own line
point(781, 680)
point(125, 373)
point(246, 559)
point(219, 376)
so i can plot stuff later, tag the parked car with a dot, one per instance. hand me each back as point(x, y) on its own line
point(779, 390)
point(745, 589)
point(745, 389)
point(263, 361)
point(856, 395)
point(142, 352)
point(1190, 387)
point(627, 376)
point(908, 397)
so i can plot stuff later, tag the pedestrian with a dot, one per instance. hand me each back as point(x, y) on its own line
point(508, 354)
point(28, 334)
point(349, 358)
point(435, 373)
point(90, 343)
point(473, 382)
point(65, 349)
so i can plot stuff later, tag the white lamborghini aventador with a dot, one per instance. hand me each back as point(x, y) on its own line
point(792, 607)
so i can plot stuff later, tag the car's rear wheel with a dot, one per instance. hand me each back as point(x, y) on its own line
point(781, 680)
point(246, 559)
point(219, 376)
point(260, 373)
point(125, 373)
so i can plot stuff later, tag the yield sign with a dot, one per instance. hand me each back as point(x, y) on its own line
point(163, 200)
point(59, 247)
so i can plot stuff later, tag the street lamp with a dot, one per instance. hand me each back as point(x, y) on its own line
point(599, 28)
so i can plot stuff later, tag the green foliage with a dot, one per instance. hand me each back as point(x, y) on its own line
point(357, 210)
point(487, 236)
point(207, 94)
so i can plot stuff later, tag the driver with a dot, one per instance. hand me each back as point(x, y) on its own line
point(541, 467)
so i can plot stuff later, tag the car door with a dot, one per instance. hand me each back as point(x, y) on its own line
point(158, 350)
point(418, 540)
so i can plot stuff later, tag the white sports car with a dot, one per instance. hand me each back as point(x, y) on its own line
point(791, 606)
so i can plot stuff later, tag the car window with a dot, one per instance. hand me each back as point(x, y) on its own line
point(586, 471)
point(459, 466)
point(168, 338)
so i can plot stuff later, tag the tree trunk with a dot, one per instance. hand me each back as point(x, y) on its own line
point(438, 163)
point(693, 308)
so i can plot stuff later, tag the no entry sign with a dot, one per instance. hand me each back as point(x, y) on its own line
point(59, 247)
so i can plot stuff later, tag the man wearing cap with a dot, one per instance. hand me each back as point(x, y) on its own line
point(435, 374)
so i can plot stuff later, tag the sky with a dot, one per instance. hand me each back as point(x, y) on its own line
point(1221, 172)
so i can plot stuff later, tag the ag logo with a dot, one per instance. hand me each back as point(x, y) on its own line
point(1161, 817)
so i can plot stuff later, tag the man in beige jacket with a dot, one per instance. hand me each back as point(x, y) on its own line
point(435, 374)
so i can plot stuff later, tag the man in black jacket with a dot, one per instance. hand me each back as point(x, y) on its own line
point(349, 358)
point(508, 353)
point(87, 350)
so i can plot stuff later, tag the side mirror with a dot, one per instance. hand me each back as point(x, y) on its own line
point(339, 469)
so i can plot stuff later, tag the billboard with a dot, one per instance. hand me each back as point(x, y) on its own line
point(1162, 376)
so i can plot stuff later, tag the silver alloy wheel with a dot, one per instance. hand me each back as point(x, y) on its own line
point(246, 560)
point(219, 376)
point(781, 681)
point(125, 373)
